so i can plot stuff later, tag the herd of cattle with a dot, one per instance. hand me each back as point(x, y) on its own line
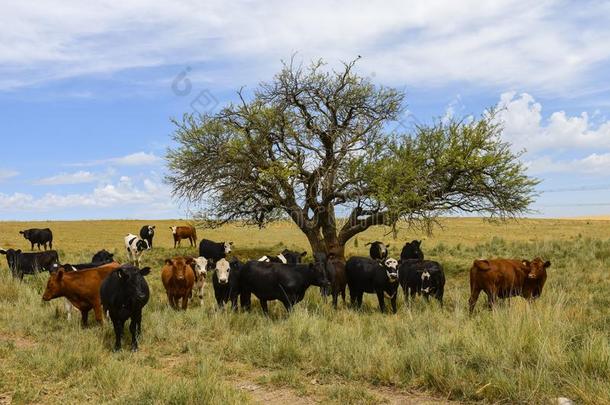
point(121, 291)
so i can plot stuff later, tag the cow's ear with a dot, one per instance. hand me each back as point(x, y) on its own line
point(231, 243)
point(18, 251)
point(145, 271)
point(303, 254)
point(60, 274)
point(387, 246)
point(547, 264)
point(189, 260)
point(153, 227)
point(2, 252)
point(169, 262)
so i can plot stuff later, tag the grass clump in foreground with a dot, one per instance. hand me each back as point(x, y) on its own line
point(520, 352)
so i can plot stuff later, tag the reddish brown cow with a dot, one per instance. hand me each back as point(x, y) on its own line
point(178, 278)
point(184, 232)
point(81, 288)
point(505, 278)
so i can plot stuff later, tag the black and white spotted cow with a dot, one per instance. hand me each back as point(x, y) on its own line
point(135, 246)
point(200, 267)
point(286, 257)
point(148, 233)
point(425, 277)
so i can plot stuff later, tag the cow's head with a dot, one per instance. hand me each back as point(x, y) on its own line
point(179, 267)
point(142, 245)
point(132, 282)
point(322, 272)
point(54, 285)
point(222, 271)
point(173, 228)
point(103, 256)
point(151, 230)
point(536, 277)
point(391, 268)
point(412, 250)
point(12, 257)
point(26, 234)
point(227, 246)
point(293, 257)
point(200, 266)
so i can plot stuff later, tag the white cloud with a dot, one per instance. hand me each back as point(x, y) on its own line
point(79, 177)
point(6, 174)
point(507, 42)
point(594, 164)
point(134, 159)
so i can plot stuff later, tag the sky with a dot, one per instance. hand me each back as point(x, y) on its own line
point(88, 89)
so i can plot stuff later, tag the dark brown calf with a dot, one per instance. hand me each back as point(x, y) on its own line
point(505, 278)
point(178, 278)
point(81, 288)
point(184, 232)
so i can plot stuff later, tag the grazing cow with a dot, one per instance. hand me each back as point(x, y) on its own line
point(378, 250)
point(424, 277)
point(81, 288)
point(178, 279)
point(284, 282)
point(200, 267)
point(124, 293)
point(214, 251)
point(135, 248)
point(148, 233)
point(370, 276)
point(39, 237)
point(226, 282)
point(100, 258)
point(30, 263)
point(184, 232)
point(412, 250)
point(337, 278)
point(505, 278)
point(286, 256)
point(103, 256)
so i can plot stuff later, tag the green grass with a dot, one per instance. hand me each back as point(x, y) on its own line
point(518, 353)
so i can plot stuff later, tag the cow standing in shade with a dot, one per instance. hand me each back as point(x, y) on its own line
point(366, 275)
point(337, 278)
point(178, 279)
point(148, 233)
point(184, 232)
point(123, 294)
point(39, 237)
point(30, 263)
point(418, 276)
point(136, 247)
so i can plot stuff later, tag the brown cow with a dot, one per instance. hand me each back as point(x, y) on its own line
point(504, 278)
point(81, 288)
point(184, 232)
point(338, 280)
point(178, 278)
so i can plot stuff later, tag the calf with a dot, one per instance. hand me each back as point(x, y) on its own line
point(226, 282)
point(214, 251)
point(337, 278)
point(424, 277)
point(39, 237)
point(286, 256)
point(135, 248)
point(184, 232)
point(367, 275)
point(378, 250)
point(81, 288)
point(200, 268)
point(148, 233)
point(505, 278)
point(123, 294)
point(284, 282)
point(30, 263)
point(178, 279)
point(412, 250)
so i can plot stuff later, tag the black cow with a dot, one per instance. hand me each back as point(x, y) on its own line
point(103, 256)
point(39, 237)
point(424, 277)
point(284, 282)
point(148, 233)
point(30, 263)
point(226, 282)
point(123, 294)
point(412, 250)
point(370, 276)
point(286, 256)
point(214, 251)
point(99, 259)
point(378, 250)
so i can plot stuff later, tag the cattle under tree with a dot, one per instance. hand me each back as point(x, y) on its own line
point(39, 237)
point(366, 275)
point(378, 250)
point(337, 278)
point(123, 295)
point(214, 251)
point(276, 281)
point(422, 277)
point(317, 138)
point(226, 282)
point(412, 250)
point(285, 256)
point(147, 232)
point(21, 263)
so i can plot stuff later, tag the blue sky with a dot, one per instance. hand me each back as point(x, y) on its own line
point(87, 90)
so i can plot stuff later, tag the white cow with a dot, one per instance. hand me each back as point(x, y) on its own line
point(135, 248)
point(201, 270)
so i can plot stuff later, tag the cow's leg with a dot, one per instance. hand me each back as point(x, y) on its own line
point(201, 294)
point(264, 306)
point(393, 302)
point(68, 307)
point(84, 313)
point(335, 298)
point(50, 244)
point(99, 314)
point(185, 301)
point(32, 245)
point(245, 300)
point(491, 299)
point(381, 300)
point(474, 296)
point(343, 295)
point(135, 329)
point(118, 332)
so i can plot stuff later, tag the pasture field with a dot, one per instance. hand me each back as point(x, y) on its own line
point(555, 347)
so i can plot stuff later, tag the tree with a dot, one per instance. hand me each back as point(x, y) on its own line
point(315, 140)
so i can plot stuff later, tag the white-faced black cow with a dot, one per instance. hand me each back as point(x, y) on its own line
point(425, 277)
point(214, 251)
point(284, 282)
point(30, 263)
point(135, 248)
point(370, 276)
point(148, 233)
point(226, 282)
point(286, 257)
point(39, 237)
point(378, 250)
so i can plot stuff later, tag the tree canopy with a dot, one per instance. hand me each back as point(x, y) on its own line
point(315, 141)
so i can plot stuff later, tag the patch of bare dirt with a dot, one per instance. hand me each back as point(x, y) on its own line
point(20, 342)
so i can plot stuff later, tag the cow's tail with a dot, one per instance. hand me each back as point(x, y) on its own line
point(195, 234)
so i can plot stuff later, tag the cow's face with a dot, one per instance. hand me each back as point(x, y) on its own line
point(173, 228)
point(54, 285)
point(391, 268)
point(412, 250)
point(151, 230)
point(200, 265)
point(132, 282)
point(536, 277)
point(228, 247)
point(292, 256)
point(178, 266)
point(26, 234)
point(321, 272)
point(142, 245)
point(222, 271)
point(12, 257)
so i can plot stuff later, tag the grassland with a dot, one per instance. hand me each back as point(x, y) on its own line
point(519, 353)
